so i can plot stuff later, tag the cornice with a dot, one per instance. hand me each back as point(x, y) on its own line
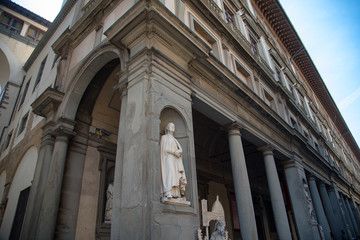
point(280, 23)
point(53, 27)
point(91, 20)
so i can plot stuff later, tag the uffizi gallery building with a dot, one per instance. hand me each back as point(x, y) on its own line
point(169, 119)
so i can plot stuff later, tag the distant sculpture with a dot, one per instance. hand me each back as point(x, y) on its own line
point(172, 168)
point(309, 201)
point(109, 200)
point(60, 73)
point(217, 213)
point(219, 232)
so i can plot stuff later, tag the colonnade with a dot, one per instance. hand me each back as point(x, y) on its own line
point(320, 211)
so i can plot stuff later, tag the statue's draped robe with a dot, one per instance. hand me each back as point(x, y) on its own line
point(109, 202)
point(172, 168)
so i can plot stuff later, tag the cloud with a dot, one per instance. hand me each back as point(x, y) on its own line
point(349, 99)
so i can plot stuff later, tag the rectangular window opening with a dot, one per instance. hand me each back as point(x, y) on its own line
point(23, 124)
point(34, 34)
point(242, 73)
point(206, 37)
point(269, 100)
point(24, 93)
point(8, 139)
point(41, 69)
point(8, 21)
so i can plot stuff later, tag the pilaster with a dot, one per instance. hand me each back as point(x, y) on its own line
point(46, 105)
point(52, 192)
point(319, 207)
point(333, 221)
point(301, 201)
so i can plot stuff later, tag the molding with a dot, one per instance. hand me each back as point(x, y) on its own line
point(47, 103)
point(49, 33)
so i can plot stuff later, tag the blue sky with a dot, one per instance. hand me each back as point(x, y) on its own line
point(330, 31)
point(47, 9)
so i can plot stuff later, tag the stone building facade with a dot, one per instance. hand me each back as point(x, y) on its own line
point(256, 124)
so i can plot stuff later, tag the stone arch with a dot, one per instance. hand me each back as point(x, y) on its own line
point(4, 69)
point(9, 64)
point(22, 179)
point(90, 92)
point(93, 64)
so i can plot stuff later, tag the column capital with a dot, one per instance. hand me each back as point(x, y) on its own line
point(311, 178)
point(266, 149)
point(234, 128)
point(321, 184)
point(121, 86)
point(64, 129)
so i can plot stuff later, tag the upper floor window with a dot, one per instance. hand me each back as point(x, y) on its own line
point(229, 15)
point(34, 34)
point(23, 123)
point(206, 37)
point(10, 22)
point(8, 139)
point(254, 47)
point(41, 69)
point(24, 93)
point(242, 73)
point(306, 134)
point(269, 99)
point(294, 123)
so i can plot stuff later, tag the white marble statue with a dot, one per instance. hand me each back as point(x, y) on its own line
point(172, 168)
point(219, 232)
point(109, 200)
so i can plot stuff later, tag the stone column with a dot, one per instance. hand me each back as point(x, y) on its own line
point(46, 105)
point(347, 216)
point(242, 185)
point(301, 205)
point(52, 193)
point(333, 222)
point(318, 207)
point(71, 190)
point(339, 215)
point(355, 212)
point(116, 217)
point(352, 218)
point(277, 200)
point(38, 185)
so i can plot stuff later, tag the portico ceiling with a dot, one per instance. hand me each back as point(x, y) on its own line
point(280, 23)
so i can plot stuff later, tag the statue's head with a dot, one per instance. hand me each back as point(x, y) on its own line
point(170, 127)
point(220, 225)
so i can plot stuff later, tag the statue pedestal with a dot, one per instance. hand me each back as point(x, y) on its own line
point(175, 201)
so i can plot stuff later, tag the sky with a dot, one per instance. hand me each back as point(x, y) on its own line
point(47, 9)
point(330, 31)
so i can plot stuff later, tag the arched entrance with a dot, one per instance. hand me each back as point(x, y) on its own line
point(18, 195)
point(91, 156)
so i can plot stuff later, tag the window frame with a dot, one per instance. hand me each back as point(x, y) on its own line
point(23, 123)
point(12, 19)
point(40, 72)
point(23, 97)
point(8, 140)
point(210, 39)
point(37, 37)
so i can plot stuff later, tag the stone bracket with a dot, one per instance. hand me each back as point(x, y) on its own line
point(47, 103)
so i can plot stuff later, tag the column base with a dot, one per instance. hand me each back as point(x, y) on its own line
point(175, 201)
